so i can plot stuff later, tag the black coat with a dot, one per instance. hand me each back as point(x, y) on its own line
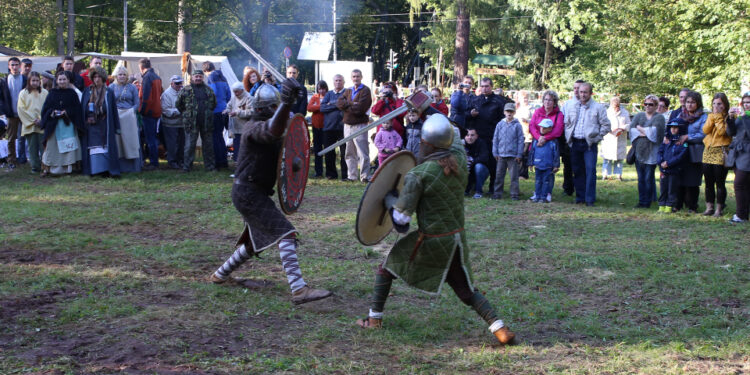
point(61, 99)
point(6, 103)
point(113, 127)
point(478, 151)
point(490, 109)
point(300, 106)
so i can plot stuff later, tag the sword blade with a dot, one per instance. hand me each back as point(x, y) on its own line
point(275, 73)
point(366, 128)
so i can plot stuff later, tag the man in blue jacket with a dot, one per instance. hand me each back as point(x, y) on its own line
point(333, 128)
point(216, 80)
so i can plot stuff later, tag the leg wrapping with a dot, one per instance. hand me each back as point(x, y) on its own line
point(240, 256)
point(288, 253)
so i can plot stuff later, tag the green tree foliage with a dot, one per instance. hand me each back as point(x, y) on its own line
point(630, 47)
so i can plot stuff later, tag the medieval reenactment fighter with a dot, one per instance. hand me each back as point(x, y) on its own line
point(255, 176)
point(438, 250)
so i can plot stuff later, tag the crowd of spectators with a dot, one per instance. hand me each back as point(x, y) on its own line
point(98, 124)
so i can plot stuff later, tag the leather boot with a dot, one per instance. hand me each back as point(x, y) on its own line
point(719, 210)
point(505, 336)
point(370, 323)
point(307, 294)
point(709, 209)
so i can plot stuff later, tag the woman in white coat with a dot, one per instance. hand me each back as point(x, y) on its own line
point(615, 142)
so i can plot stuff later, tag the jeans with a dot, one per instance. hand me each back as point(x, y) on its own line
point(174, 141)
point(491, 166)
point(21, 148)
point(542, 185)
point(149, 128)
point(646, 183)
point(34, 141)
point(687, 196)
point(670, 190)
point(716, 177)
point(220, 146)
point(609, 165)
point(477, 177)
point(330, 137)
point(742, 192)
point(583, 160)
point(317, 147)
point(236, 144)
point(503, 165)
point(567, 166)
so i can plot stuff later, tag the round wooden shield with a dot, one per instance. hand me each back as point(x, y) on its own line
point(294, 164)
point(373, 220)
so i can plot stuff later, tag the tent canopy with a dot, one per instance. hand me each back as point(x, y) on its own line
point(166, 65)
point(40, 63)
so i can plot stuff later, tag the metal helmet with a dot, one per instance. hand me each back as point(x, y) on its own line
point(437, 131)
point(266, 96)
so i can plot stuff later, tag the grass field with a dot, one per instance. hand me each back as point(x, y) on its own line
point(108, 276)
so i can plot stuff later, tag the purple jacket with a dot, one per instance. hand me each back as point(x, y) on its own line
point(387, 139)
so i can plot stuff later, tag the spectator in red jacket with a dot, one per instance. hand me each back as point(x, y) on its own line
point(317, 120)
point(438, 102)
point(549, 110)
point(387, 102)
point(96, 61)
point(150, 99)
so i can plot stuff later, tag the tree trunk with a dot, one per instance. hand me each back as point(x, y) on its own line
point(184, 36)
point(71, 26)
point(59, 28)
point(547, 52)
point(461, 55)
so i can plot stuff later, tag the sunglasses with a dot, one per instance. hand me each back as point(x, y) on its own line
point(649, 104)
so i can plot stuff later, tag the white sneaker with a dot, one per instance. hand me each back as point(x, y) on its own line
point(231, 175)
point(549, 198)
point(533, 197)
point(736, 219)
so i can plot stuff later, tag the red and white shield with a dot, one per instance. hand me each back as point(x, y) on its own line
point(294, 164)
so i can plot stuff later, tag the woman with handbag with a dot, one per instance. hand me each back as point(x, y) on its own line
point(716, 142)
point(739, 158)
point(645, 131)
point(691, 175)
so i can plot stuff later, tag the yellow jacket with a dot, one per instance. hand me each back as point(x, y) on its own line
point(30, 109)
point(715, 130)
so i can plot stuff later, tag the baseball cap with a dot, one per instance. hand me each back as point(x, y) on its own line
point(510, 107)
point(546, 123)
point(175, 79)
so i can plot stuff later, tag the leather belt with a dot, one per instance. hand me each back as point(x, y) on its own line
point(422, 236)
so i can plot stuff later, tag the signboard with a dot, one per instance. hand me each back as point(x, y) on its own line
point(287, 52)
point(315, 46)
point(496, 71)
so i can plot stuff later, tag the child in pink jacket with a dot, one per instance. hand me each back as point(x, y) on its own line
point(387, 141)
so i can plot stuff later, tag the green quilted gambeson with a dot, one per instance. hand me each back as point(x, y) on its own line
point(438, 201)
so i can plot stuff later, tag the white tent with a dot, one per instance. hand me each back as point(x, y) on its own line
point(166, 65)
point(41, 63)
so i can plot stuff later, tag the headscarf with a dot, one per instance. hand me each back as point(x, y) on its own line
point(98, 93)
